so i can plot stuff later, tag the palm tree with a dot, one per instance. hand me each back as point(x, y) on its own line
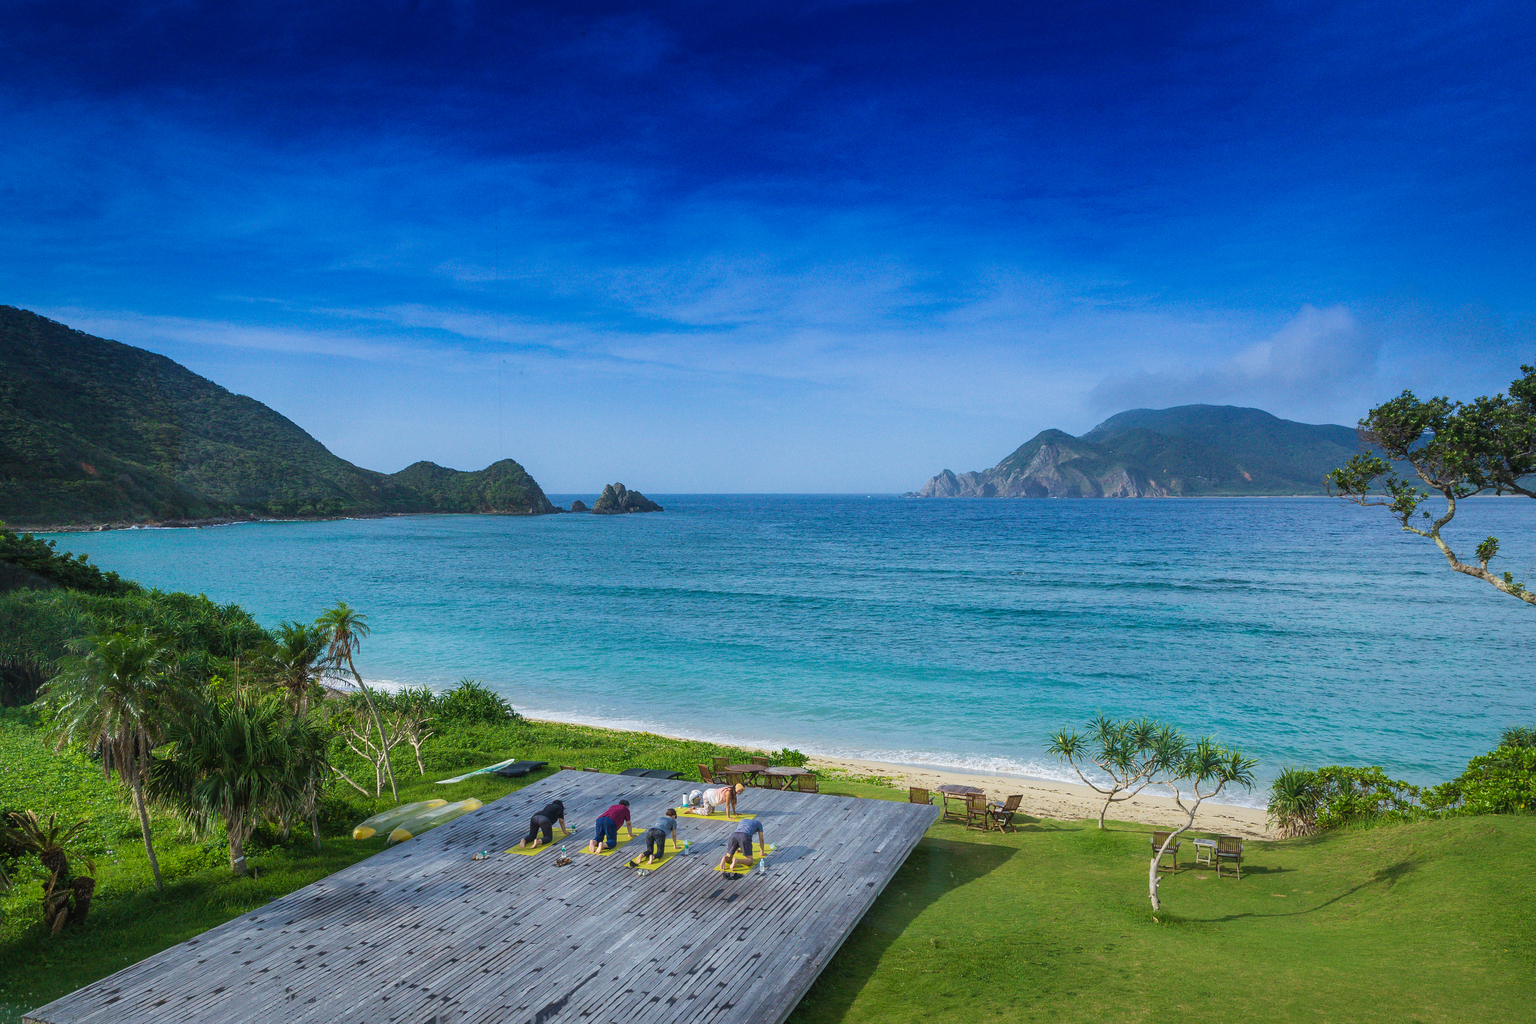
point(293, 659)
point(230, 760)
point(346, 630)
point(66, 897)
point(113, 694)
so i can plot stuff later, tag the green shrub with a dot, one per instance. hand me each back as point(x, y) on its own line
point(1519, 736)
point(789, 757)
point(1293, 798)
point(1303, 801)
point(474, 703)
point(42, 558)
point(1502, 781)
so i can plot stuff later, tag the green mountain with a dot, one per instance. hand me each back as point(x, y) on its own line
point(1184, 451)
point(94, 431)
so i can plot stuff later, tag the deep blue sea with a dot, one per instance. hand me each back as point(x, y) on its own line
point(951, 632)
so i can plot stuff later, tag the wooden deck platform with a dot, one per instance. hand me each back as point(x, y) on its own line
point(423, 934)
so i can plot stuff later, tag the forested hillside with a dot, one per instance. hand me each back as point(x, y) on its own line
point(95, 431)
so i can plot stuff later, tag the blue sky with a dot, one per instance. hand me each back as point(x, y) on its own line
point(777, 246)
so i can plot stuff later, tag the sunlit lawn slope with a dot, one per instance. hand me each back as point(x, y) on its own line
point(1426, 922)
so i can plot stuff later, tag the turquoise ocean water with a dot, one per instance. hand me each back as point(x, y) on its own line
point(950, 632)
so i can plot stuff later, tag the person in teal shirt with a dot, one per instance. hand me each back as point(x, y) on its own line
point(741, 842)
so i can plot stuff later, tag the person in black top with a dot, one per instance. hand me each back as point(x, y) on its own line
point(544, 822)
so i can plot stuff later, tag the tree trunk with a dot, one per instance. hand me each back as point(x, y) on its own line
point(379, 724)
point(149, 844)
point(314, 825)
point(1103, 811)
point(237, 844)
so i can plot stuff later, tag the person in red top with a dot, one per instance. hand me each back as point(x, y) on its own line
point(608, 827)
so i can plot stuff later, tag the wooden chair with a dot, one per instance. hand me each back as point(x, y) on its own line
point(735, 779)
point(976, 811)
point(762, 762)
point(807, 784)
point(917, 795)
point(765, 781)
point(1229, 850)
point(1158, 839)
point(720, 763)
point(706, 775)
point(1000, 816)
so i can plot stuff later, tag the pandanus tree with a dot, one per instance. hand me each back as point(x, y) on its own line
point(345, 630)
point(236, 759)
point(115, 693)
point(1126, 754)
point(1194, 772)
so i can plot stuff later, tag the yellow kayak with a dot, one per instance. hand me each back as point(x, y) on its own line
point(392, 817)
point(416, 825)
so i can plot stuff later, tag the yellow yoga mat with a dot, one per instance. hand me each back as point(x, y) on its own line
point(681, 813)
point(666, 858)
point(608, 853)
point(537, 849)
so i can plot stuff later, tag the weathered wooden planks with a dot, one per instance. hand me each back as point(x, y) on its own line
point(421, 933)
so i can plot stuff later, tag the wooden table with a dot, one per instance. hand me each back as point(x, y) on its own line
point(786, 772)
point(955, 789)
point(742, 769)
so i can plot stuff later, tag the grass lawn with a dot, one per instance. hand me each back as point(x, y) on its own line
point(1423, 922)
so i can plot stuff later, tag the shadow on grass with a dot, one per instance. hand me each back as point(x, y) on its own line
point(936, 868)
point(1386, 877)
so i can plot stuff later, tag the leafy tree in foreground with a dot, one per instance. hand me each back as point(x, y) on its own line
point(1456, 449)
point(1195, 773)
point(115, 696)
point(233, 760)
point(1127, 752)
point(345, 630)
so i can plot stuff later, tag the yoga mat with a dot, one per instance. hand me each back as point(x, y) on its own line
point(537, 849)
point(681, 813)
point(616, 849)
point(666, 858)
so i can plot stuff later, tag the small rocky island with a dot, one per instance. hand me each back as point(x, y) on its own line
point(617, 499)
point(579, 506)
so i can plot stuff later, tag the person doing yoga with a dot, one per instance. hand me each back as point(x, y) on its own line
point(705, 801)
point(544, 822)
point(656, 838)
point(608, 823)
point(741, 842)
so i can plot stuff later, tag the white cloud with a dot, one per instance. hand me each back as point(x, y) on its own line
point(1319, 357)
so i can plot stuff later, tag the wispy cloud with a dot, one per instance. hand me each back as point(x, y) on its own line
point(1320, 355)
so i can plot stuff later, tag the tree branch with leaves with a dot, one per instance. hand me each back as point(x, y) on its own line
point(1124, 752)
point(1456, 450)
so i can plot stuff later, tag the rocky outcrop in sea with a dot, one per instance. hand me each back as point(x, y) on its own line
point(579, 506)
point(617, 499)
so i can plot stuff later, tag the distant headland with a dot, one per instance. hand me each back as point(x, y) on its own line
point(1184, 451)
point(95, 434)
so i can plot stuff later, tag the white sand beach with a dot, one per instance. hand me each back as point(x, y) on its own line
point(1061, 800)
